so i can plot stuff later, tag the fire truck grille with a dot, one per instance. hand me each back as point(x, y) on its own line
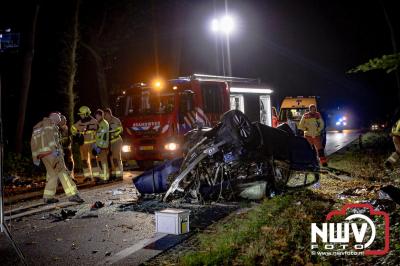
point(148, 142)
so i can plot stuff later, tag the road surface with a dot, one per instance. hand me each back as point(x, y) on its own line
point(120, 233)
point(335, 140)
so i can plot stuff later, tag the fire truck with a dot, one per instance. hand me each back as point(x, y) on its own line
point(156, 116)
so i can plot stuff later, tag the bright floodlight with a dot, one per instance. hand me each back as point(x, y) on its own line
point(225, 25)
point(215, 25)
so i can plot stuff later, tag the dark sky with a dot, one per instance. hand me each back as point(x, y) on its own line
point(296, 47)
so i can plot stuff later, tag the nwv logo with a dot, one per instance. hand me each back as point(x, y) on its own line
point(337, 236)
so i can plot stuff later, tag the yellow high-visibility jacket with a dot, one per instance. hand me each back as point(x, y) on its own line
point(45, 139)
point(86, 126)
point(312, 124)
point(396, 129)
point(115, 129)
point(103, 135)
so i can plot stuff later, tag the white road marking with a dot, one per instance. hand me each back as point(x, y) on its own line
point(132, 249)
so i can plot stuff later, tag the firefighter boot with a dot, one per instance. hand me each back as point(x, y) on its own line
point(76, 198)
point(50, 200)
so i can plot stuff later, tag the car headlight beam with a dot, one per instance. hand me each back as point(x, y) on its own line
point(172, 146)
point(126, 148)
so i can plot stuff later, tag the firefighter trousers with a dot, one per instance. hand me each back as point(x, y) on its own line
point(317, 143)
point(115, 158)
point(69, 160)
point(102, 158)
point(89, 163)
point(56, 170)
point(394, 157)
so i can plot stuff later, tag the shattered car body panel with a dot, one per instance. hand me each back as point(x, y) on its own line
point(238, 158)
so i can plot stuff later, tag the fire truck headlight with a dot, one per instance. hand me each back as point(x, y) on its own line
point(171, 146)
point(126, 148)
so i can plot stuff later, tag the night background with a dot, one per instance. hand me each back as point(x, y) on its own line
point(296, 47)
point(254, 194)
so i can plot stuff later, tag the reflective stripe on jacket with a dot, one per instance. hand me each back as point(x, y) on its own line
point(115, 128)
point(102, 135)
point(312, 124)
point(396, 128)
point(45, 139)
point(86, 126)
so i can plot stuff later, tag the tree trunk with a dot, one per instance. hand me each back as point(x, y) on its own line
point(73, 66)
point(394, 46)
point(26, 81)
point(102, 82)
point(101, 75)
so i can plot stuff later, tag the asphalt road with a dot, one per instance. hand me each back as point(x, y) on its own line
point(88, 238)
point(118, 233)
point(336, 140)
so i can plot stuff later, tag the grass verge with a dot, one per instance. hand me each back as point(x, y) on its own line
point(276, 232)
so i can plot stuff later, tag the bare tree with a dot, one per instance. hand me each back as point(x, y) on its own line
point(394, 44)
point(69, 63)
point(100, 72)
point(104, 36)
point(26, 79)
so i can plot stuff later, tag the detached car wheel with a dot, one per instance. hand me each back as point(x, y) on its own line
point(237, 127)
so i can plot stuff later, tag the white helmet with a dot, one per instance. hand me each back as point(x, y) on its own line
point(55, 117)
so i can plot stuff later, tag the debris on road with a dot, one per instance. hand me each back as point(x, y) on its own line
point(97, 205)
point(391, 192)
point(63, 215)
point(117, 192)
point(90, 215)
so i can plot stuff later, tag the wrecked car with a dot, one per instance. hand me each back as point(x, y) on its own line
point(236, 158)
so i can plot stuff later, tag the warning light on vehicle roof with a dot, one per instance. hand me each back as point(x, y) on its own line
point(251, 90)
point(157, 84)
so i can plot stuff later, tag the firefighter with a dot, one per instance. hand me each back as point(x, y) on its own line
point(46, 147)
point(394, 157)
point(66, 143)
point(84, 132)
point(101, 147)
point(115, 144)
point(312, 124)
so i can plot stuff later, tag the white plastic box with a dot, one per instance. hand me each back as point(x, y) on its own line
point(172, 221)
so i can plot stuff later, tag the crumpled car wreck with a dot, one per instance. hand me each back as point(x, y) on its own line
point(235, 158)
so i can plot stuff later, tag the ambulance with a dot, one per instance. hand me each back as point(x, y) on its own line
point(297, 106)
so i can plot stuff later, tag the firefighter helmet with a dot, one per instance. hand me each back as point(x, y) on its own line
point(55, 117)
point(84, 110)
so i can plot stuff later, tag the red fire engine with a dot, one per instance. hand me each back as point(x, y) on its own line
point(155, 118)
